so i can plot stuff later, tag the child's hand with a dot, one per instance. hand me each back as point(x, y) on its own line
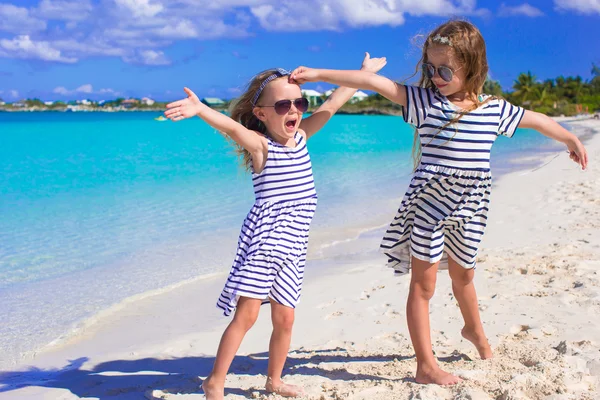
point(182, 109)
point(304, 74)
point(373, 64)
point(577, 153)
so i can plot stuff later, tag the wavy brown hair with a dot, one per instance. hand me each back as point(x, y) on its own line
point(468, 48)
point(241, 111)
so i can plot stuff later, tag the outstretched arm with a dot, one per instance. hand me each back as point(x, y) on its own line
point(355, 79)
point(548, 127)
point(338, 98)
point(190, 106)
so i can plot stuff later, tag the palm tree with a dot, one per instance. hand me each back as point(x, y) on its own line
point(541, 96)
point(525, 86)
point(595, 71)
point(574, 88)
point(549, 83)
point(492, 87)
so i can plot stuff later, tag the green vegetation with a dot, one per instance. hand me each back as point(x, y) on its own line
point(374, 104)
point(568, 96)
point(561, 96)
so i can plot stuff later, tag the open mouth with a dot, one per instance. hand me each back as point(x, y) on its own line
point(291, 124)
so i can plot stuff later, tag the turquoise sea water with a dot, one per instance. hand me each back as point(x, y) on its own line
point(98, 207)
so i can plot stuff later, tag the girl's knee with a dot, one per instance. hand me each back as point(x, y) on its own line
point(283, 319)
point(461, 276)
point(246, 314)
point(424, 289)
point(245, 320)
point(423, 278)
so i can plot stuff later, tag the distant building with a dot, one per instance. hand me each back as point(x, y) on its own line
point(20, 104)
point(84, 102)
point(314, 97)
point(358, 96)
point(48, 103)
point(2, 103)
point(129, 103)
point(147, 101)
point(213, 102)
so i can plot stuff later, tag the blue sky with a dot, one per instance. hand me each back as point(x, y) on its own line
point(101, 49)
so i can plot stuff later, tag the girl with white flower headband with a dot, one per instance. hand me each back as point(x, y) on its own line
point(267, 126)
point(442, 217)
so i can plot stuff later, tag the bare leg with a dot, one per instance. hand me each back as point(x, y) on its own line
point(283, 320)
point(464, 291)
point(245, 316)
point(422, 287)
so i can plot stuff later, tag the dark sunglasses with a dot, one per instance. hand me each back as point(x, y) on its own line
point(446, 73)
point(282, 107)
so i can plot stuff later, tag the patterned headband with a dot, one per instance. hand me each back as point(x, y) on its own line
point(442, 39)
point(279, 72)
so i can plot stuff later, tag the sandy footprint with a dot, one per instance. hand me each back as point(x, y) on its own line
point(366, 294)
point(327, 304)
point(334, 314)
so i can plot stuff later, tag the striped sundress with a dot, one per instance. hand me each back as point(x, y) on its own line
point(271, 252)
point(444, 211)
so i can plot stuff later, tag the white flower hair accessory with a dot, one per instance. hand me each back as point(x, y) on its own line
point(442, 39)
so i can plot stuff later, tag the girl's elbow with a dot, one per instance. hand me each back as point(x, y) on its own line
point(537, 121)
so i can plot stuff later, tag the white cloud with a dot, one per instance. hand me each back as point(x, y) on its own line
point(61, 90)
point(151, 57)
point(335, 14)
point(524, 9)
point(13, 93)
point(140, 8)
point(24, 47)
point(285, 18)
point(582, 6)
point(148, 57)
point(91, 47)
point(182, 29)
point(138, 31)
point(87, 88)
point(64, 10)
point(18, 20)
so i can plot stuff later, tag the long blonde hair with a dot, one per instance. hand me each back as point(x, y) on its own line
point(241, 110)
point(468, 48)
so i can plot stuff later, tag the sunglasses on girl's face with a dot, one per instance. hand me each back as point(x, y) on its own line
point(282, 107)
point(446, 73)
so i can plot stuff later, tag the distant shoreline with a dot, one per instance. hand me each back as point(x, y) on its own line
point(365, 111)
point(83, 111)
point(372, 111)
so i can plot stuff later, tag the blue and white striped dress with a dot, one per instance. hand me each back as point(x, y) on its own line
point(444, 211)
point(272, 244)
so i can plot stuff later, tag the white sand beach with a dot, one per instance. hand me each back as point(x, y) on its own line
point(538, 283)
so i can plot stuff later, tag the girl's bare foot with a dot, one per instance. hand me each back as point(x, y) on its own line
point(212, 390)
point(435, 375)
point(283, 389)
point(480, 342)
